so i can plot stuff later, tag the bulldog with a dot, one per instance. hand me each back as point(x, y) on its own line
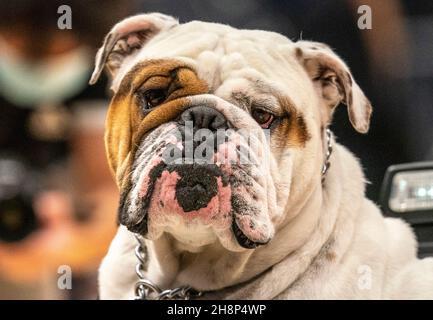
point(231, 182)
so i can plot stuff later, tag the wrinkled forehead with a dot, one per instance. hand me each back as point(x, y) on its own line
point(220, 54)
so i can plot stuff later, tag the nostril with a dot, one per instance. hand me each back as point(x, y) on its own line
point(204, 118)
point(219, 123)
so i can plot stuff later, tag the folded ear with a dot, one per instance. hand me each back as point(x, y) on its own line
point(126, 37)
point(334, 83)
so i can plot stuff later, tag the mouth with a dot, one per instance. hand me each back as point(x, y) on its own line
point(191, 197)
point(242, 239)
point(187, 189)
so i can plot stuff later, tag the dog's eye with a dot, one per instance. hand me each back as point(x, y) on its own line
point(263, 118)
point(153, 98)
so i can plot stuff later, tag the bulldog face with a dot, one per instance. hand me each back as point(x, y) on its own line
point(213, 132)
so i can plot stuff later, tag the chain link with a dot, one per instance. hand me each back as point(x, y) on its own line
point(327, 163)
point(147, 290)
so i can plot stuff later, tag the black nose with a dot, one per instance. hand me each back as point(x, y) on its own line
point(204, 118)
point(197, 185)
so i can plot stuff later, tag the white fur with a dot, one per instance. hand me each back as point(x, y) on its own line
point(332, 243)
point(361, 241)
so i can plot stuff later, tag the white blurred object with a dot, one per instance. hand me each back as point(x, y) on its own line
point(412, 191)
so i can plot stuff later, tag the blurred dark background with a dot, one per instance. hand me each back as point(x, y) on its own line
point(52, 162)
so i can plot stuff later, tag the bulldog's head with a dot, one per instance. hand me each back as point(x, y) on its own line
point(214, 132)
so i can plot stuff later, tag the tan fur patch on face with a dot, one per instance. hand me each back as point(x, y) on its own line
point(126, 122)
point(291, 131)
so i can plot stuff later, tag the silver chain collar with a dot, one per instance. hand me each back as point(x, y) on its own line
point(147, 290)
point(327, 162)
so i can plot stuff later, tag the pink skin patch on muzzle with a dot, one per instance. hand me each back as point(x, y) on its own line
point(165, 208)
